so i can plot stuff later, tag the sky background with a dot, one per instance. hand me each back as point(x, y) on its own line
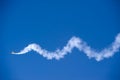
point(51, 23)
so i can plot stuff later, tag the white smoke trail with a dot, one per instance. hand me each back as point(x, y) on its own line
point(75, 42)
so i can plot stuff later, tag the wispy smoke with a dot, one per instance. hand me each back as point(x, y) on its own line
point(78, 43)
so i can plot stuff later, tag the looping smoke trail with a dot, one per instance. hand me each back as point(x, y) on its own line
point(78, 43)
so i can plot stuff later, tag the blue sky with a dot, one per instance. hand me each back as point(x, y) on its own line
point(51, 23)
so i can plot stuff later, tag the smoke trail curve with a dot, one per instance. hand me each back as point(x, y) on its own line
point(78, 43)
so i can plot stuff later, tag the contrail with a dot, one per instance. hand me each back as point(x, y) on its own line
point(78, 43)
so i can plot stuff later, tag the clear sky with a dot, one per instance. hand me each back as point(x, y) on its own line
point(51, 23)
